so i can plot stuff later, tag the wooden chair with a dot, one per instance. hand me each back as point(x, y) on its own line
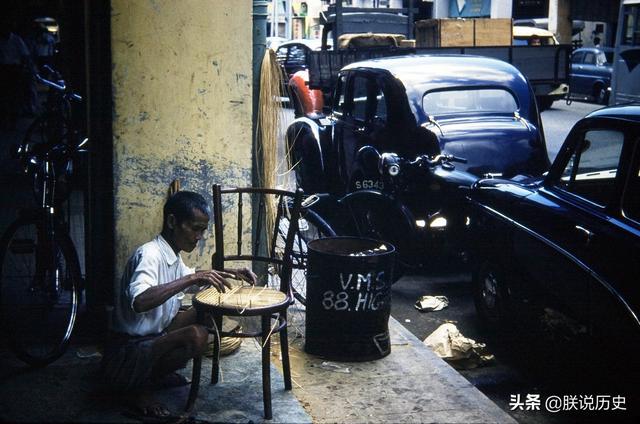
point(269, 301)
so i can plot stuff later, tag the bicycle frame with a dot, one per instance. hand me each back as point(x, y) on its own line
point(41, 277)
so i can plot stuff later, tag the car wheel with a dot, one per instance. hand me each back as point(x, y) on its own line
point(601, 95)
point(491, 294)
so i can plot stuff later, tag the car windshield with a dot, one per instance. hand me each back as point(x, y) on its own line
point(443, 102)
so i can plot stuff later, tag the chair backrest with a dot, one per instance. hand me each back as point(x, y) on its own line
point(256, 225)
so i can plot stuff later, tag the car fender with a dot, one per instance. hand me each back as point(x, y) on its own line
point(315, 130)
point(306, 154)
point(397, 224)
point(365, 174)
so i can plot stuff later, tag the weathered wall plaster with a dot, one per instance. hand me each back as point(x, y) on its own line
point(182, 108)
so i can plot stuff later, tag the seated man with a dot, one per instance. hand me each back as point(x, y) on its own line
point(150, 338)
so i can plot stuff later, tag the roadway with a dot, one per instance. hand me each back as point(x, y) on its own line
point(525, 362)
point(558, 121)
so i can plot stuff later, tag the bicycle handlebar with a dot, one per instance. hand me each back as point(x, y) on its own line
point(391, 164)
point(59, 86)
point(438, 159)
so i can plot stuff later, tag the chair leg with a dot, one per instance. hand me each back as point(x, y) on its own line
point(195, 383)
point(195, 373)
point(284, 349)
point(266, 366)
point(215, 361)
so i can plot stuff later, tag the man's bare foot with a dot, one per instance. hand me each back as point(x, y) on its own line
point(146, 409)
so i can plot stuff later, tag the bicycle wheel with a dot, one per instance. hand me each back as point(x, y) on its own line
point(38, 298)
point(45, 130)
point(311, 226)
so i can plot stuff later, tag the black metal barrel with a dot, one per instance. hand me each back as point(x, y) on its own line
point(348, 298)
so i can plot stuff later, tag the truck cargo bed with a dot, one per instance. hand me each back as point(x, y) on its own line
point(540, 64)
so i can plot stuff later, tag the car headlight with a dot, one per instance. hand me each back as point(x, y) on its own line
point(438, 222)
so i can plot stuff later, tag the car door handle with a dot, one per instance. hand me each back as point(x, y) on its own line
point(588, 233)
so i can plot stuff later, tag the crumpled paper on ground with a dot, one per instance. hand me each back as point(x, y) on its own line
point(431, 303)
point(461, 352)
point(332, 366)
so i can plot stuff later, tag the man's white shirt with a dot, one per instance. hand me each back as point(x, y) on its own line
point(152, 264)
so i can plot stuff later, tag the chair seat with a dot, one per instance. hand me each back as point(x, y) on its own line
point(244, 300)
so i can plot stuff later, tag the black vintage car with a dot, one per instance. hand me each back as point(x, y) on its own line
point(479, 109)
point(568, 242)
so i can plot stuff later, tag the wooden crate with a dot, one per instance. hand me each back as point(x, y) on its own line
point(493, 32)
point(444, 32)
point(463, 32)
point(456, 32)
point(427, 33)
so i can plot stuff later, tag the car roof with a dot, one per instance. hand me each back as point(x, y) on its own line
point(422, 73)
point(312, 43)
point(427, 72)
point(629, 111)
point(593, 49)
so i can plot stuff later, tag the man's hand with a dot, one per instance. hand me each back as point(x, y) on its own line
point(213, 278)
point(245, 274)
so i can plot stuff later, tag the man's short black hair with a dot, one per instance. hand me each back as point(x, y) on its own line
point(182, 204)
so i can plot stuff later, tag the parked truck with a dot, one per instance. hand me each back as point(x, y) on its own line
point(392, 33)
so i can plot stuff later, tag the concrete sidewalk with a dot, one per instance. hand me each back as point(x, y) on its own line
point(69, 391)
point(410, 385)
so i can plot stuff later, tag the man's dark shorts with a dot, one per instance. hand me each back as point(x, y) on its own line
point(127, 362)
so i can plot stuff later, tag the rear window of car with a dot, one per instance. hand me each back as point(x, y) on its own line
point(533, 41)
point(496, 100)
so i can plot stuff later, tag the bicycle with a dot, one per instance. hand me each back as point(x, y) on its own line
point(56, 123)
point(311, 226)
point(40, 278)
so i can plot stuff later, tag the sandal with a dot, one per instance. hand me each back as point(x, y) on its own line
point(153, 413)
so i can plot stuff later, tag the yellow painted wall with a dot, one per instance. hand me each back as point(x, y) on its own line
point(182, 108)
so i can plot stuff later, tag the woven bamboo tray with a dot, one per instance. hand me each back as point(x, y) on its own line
point(227, 344)
point(241, 297)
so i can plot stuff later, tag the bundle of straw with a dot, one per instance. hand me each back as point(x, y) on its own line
point(268, 124)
